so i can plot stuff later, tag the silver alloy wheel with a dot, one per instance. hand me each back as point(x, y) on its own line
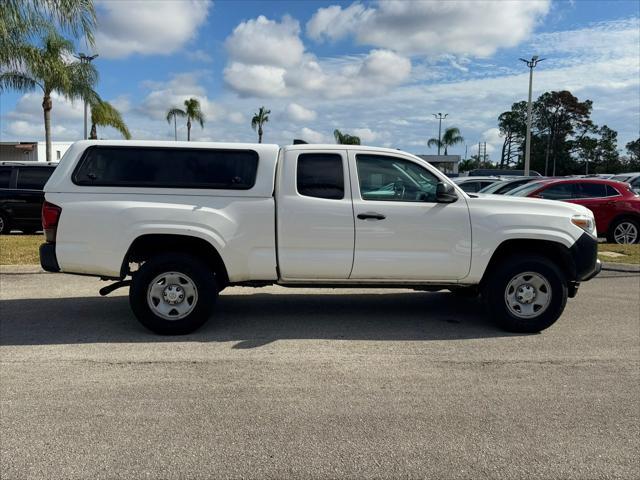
point(528, 295)
point(172, 295)
point(625, 232)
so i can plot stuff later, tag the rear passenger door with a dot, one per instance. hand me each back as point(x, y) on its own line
point(315, 226)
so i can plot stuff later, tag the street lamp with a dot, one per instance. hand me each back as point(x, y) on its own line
point(527, 151)
point(439, 117)
point(84, 58)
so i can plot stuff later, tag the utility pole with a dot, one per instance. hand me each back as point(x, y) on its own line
point(439, 117)
point(527, 152)
point(84, 58)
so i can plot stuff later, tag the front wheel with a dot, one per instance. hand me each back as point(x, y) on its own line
point(173, 294)
point(525, 294)
point(624, 231)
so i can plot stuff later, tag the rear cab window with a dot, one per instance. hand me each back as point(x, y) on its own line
point(166, 167)
point(320, 175)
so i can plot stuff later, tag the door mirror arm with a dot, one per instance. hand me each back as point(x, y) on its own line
point(445, 193)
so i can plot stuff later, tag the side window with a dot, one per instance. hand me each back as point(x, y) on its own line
point(160, 167)
point(561, 191)
point(5, 177)
point(590, 190)
point(33, 178)
point(611, 191)
point(635, 182)
point(320, 175)
point(394, 179)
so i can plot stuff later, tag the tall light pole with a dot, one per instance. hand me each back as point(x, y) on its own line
point(439, 117)
point(84, 58)
point(527, 148)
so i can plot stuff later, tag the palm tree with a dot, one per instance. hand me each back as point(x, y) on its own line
point(173, 113)
point(451, 137)
point(22, 20)
point(258, 120)
point(103, 114)
point(192, 112)
point(47, 67)
point(345, 138)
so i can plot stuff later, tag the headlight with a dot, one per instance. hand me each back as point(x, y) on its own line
point(586, 223)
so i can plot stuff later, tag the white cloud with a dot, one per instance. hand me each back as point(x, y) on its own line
point(366, 135)
point(298, 113)
point(147, 26)
point(29, 107)
point(333, 23)
point(268, 59)
point(255, 80)
point(266, 42)
point(465, 27)
point(313, 136)
point(236, 117)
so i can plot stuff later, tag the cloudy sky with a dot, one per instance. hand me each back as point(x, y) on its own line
point(375, 69)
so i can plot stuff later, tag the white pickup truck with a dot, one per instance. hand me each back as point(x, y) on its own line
point(185, 220)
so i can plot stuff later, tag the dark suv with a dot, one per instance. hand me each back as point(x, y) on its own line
point(21, 195)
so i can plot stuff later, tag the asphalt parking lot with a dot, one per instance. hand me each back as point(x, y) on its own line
point(317, 383)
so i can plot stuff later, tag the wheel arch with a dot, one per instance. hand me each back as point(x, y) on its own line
point(554, 251)
point(148, 245)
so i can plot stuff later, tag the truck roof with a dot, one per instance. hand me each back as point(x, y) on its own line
point(183, 144)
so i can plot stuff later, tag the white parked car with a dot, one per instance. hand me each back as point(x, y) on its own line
point(180, 221)
point(475, 184)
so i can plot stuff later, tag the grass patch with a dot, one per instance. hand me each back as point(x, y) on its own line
point(631, 253)
point(20, 249)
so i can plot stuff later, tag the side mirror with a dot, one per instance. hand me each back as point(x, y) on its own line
point(445, 193)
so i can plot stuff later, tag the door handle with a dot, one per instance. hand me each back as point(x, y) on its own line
point(371, 215)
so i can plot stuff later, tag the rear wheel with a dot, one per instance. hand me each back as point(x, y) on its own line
point(525, 294)
point(173, 294)
point(4, 224)
point(624, 231)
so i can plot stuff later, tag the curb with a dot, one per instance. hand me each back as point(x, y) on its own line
point(20, 269)
point(621, 267)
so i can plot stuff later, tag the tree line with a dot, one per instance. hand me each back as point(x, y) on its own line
point(564, 138)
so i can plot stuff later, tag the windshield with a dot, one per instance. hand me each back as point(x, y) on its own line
point(620, 178)
point(525, 189)
point(494, 187)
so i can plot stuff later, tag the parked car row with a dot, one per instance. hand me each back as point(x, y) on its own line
point(614, 202)
point(21, 195)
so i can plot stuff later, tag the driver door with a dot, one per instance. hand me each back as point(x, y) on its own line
point(401, 231)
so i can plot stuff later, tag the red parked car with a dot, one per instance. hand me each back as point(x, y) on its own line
point(615, 206)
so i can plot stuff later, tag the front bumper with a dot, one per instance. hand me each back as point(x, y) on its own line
point(585, 258)
point(48, 259)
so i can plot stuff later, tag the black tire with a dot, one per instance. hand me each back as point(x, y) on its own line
point(616, 223)
point(202, 278)
point(5, 226)
point(494, 293)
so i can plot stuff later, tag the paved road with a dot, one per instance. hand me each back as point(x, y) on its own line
point(316, 383)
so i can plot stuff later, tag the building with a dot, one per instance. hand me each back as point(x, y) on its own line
point(445, 163)
point(31, 151)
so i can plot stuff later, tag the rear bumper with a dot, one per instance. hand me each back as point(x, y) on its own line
point(585, 258)
point(48, 260)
